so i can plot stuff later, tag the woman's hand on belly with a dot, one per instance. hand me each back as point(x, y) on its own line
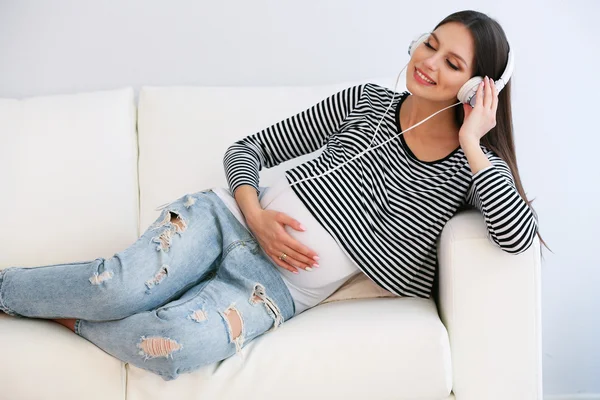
point(268, 226)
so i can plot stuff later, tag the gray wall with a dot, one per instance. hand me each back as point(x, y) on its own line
point(71, 46)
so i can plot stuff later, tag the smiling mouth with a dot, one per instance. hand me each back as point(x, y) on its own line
point(423, 77)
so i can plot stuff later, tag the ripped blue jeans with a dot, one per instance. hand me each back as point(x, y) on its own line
point(166, 303)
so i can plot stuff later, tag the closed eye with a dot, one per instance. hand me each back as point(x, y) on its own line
point(454, 67)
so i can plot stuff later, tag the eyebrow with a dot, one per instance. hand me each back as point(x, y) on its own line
point(453, 53)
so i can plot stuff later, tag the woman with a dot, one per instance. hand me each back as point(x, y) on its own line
point(219, 268)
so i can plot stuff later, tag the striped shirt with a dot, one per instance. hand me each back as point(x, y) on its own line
point(386, 208)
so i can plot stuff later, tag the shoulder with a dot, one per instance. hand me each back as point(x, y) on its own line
point(383, 90)
point(374, 90)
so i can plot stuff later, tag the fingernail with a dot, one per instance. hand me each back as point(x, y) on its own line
point(316, 265)
point(308, 268)
point(295, 272)
point(302, 227)
point(316, 258)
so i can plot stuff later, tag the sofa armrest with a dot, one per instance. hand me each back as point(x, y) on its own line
point(490, 303)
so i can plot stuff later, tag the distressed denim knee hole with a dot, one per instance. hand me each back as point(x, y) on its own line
point(153, 347)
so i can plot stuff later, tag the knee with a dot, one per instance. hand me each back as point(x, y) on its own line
point(160, 355)
point(157, 347)
point(168, 353)
point(180, 347)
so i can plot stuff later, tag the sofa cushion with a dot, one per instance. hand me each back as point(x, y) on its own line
point(44, 360)
point(358, 287)
point(68, 170)
point(356, 349)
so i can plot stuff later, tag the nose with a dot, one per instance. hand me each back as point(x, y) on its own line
point(431, 62)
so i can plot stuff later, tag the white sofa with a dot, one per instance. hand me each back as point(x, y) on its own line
point(81, 176)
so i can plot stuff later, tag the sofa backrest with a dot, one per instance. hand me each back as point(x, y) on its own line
point(184, 132)
point(68, 177)
point(71, 185)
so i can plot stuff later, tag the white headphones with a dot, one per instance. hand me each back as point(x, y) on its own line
point(466, 95)
point(468, 91)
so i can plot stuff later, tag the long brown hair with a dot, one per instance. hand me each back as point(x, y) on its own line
point(487, 35)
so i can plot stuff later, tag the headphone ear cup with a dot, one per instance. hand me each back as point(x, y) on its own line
point(467, 92)
point(416, 43)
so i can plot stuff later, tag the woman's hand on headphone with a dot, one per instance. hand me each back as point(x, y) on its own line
point(480, 119)
point(268, 226)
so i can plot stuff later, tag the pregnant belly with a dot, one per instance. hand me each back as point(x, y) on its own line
point(335, 267)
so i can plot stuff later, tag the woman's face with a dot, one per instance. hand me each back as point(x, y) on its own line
point(446, 58)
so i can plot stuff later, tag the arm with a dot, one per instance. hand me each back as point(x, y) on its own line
point(300, 134)
point(510, 222)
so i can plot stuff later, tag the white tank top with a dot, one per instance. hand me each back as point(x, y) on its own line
point(308, 288)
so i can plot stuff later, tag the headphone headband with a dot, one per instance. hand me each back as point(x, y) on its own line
point(467, 93)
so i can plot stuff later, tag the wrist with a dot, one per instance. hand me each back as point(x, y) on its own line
point(252, 215)
point(247, 198)
point(467, 142)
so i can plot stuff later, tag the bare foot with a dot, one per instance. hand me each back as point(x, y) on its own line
point(69, 323)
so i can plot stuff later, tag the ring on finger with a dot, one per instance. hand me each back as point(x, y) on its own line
point(283, 256)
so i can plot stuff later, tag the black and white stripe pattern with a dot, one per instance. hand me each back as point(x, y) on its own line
point(387, 208)
point(510, 222)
